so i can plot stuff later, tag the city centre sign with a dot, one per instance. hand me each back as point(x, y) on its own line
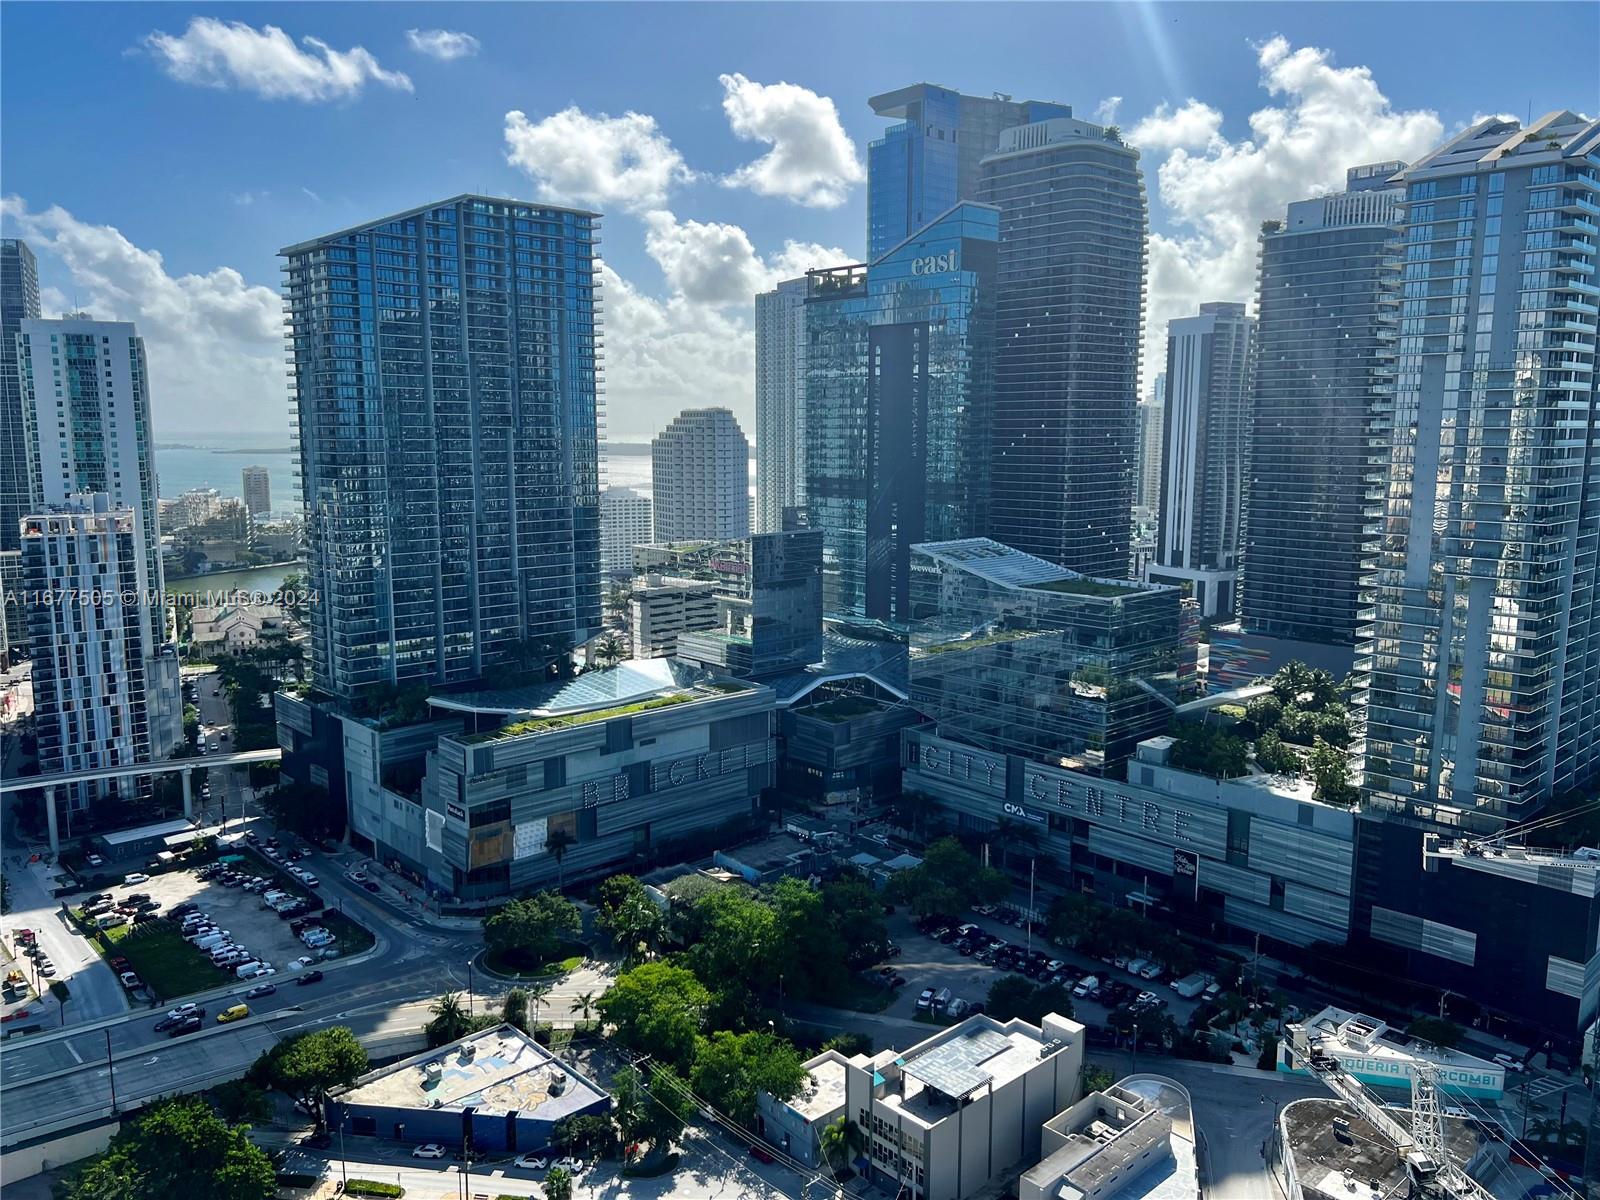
point(935, 264)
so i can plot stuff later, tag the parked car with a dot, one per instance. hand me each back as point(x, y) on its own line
point(572, 1166)
point(762, 1155)
point(94, 860)
point(428, 1150)
point(532, 1162)
point(1509, 1063)
point(136, 877)
point(925, 1000)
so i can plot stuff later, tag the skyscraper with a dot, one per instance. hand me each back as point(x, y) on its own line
point(899, 372)
point(1070, 291)
point(700, 477)
point(257, 491)
point(445, 390)
point(929, 162)
point(1152, 419)
point(1483, 694)
point(1206, 430)
point(780, 403)
point(627, 518)
point(19, 301)
point(1321, 343)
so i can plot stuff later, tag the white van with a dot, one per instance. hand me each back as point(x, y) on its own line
point(248, 969)
point(1136, 965)
point(212, 940)
point(1088, 986)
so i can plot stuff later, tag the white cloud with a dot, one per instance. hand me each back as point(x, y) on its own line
point(447, 45)
point(710, 262)
point(215, 341)
point(576, 158)
point(1105, 113)
point(1194, 124)
point(812, 160)
point(1325, 118)
point(231, 54)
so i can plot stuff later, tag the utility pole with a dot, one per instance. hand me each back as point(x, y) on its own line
point(1032, 863)
point(111, 1071)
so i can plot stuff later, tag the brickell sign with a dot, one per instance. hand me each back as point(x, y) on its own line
point(677, 772)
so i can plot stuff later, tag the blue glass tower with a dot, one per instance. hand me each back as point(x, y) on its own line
point(899, 373)
point(446, 392)
point(929, 162)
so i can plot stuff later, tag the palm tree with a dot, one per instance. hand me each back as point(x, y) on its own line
point(841, 1141)
point(609, 650)
point(538, 993)
point(586, 1002)
point(450, 1019)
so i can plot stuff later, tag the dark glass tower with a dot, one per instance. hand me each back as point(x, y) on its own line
point(930, 161)
point(898, 378)
point(445, 380)
point(1070, 306)
point(1321, 343)
point(19, 300)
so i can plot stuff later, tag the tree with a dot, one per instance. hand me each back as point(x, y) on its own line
point(1013, 996)
point(1272, 755)
point(531, 929)
point(514, 1009)
point(179, 1148)
point(657, 1009)
point(1209, 750)
point(584, 1135)
point(632, 921)
point(735, 1068)
point(910, 811)
point(854, 911)
point(450, 1020)
point(1095, 1077)
point(240, 1102)
point(609, 650)
point(537, 993)
point(811, 946)
point(308, 1066)
point(558, 1184)
point(1330, 769)
point(842, 1142)
point(1263, 712)
point(948, 880)
point(735, 940)
point(1436, 1031)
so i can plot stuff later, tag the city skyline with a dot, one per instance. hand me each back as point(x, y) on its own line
point(710, 211)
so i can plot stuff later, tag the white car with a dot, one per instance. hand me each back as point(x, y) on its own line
point(532, 1162)
point(428, 1150)
point(136, 877)
point(572, 1166)
point(183, 1010)
point(310, 880)
point(305, 960)
point(1509, 1063)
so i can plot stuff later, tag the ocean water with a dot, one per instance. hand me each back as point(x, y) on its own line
point(633, 471)
point(217, 460)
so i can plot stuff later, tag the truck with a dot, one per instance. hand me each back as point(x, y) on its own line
point(1087, 987)
point(1191, 986)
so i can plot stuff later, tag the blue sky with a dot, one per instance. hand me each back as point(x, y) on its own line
point(214, 148)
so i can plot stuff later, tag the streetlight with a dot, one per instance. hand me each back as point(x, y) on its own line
point(344, 1179)
point(111, 1071)
point(1135, 1068)
point(469, 987)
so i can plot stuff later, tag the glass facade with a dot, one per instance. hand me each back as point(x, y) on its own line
point(899, 363)
point(930, 161)
point(19, 300)
point(1013, 654)
point(1070, 312)
point(445, 379)
point(1483, 640)
point(1321, 340)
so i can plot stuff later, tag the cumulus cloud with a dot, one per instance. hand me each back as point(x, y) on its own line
point(812, 160)
point(599, 160)
point(232, 54)
point(711, 262)
point(446, 45)
point(1106, 111)
point(1323, 119)
point(215, 341)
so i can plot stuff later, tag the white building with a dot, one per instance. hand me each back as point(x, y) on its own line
point(663, 607)
point(1133, 1141)
point(700, 477)
point(1381, 1057)
point(954, 1114)
point(1206, 433)
point(780, 403)
point(795, 1125)
point(104, 683)
point(1152, 417)
point(627, 519)
point(236, 627)
point(257, 485)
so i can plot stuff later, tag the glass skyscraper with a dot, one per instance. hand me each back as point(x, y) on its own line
point(1070, 308)
point(780, 403)
point(1322, 338)
point(445, 384)
point(930, 161)
point(1483, 641)
point(898, 378)
point(19, 301)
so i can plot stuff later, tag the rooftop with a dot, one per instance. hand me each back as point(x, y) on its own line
point(975, 1054)
point(824, 1089)
point(161, 829)
point(1357, 1032)
point(499, 1070)
point(1132, 1141)
point(1364, 1167)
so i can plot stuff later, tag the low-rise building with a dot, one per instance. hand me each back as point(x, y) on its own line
point(626, 520)
point(956, 1113)
point(493, 1092)
point(1133, 1141)
point(1379, 1056)
point(233, 628)
point(663, 607)
point(795, 1125)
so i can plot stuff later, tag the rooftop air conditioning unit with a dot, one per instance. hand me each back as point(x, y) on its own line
point(558, 1082)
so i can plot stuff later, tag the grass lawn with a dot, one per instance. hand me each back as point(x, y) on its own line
point(158, 954)
point(351, 938)
point(516, 965)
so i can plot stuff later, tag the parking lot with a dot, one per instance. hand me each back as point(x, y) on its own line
point(925, 962)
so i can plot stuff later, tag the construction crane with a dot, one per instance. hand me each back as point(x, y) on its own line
point(1420, 1144)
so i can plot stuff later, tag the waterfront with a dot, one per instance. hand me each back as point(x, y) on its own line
point(260, 582)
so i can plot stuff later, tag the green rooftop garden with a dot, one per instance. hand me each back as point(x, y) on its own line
point(1082, 587)
point(546, 724)
point(973, 643)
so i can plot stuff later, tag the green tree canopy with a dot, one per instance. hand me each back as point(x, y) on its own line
point(657, 1009)
point(514, 1009)
point(629, 917)
point(1013, 996)
point(734, 939)
point(558, 1184)
point(533, 926)
point(1330, 769)
point(180, 1148)
point(308, 1066)
point(734, 1068)
point(450, 1020)
point(948, 880)
point(650, 1108)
